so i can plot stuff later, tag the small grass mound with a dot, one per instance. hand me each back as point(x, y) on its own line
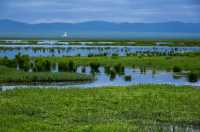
point(10, 75)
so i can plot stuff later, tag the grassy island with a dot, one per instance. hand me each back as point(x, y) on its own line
point(10, 75)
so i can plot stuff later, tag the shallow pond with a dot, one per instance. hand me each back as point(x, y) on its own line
point(83, 50)
point(135, 76)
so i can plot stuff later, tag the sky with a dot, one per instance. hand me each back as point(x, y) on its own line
point(145, 11)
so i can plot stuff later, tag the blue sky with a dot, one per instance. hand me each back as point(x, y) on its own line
point(37, 11)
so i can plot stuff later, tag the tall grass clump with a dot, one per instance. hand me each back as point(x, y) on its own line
point(107, 69)
point(94, 67)
point(42, 65)
point(112, 74)
point(177, 69)
point(142, 69)
point(115, 55)
point(8, 62)
point(83, 69)
point(133, 66)
point(119, 68)
point(23, 62)
point(192, 77)
point(62, 66)
point(127, 78)
point(71, 67)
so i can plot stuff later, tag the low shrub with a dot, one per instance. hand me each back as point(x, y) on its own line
point(71, 67)
point(107, 69)
point(127, 78)
point(83, 70)
point(176, 69)
point(192, 77)
point(112, 74)
point(119, 68)
point(94, 67)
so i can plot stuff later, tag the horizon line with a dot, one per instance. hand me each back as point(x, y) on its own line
point(59, 22)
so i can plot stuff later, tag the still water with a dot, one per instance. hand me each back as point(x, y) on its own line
point(84, 50)
point(103, 79)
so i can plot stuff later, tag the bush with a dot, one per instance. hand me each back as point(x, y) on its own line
point(127, 78)
point(143, 69)
point(7, 62)
point(115, 55)
point(107, 69)
point(119, 69)
point(42, 65)
point(90, 55)
point(176, 69)
point(62, 66)
point(71, 67)
point(26, 66)
point(94, 67)
point(23, 62)
point(192, 77)
point(83, 70)
point(112, 74)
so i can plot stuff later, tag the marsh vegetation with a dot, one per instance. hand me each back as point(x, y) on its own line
point(10, 75)
point(122, 108)
point(134, 108)
point(112, 66)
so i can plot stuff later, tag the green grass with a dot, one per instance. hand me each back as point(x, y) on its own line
point(10, 75)
point(112, 109)
point(136, 42)
point(187, 62)
point(191, 63)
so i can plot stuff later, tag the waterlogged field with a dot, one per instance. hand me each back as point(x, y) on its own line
point(72, 73)
point(103, 71)
point(153, 108)
point(82, 50)
point(11, 48)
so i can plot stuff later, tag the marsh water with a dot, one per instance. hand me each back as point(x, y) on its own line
point(103, 79)
point(85, 50)
point(130, 77)
point(137, 76)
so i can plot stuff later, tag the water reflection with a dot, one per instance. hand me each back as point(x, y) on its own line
point(108, 77)
point(1, 89)
point(81, 50)
point(123, 76)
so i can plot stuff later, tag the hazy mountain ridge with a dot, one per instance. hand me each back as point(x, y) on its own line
point(97, 26)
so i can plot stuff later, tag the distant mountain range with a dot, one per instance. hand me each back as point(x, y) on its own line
point(9, 27)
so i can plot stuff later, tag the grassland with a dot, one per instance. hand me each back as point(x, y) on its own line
point(153, 108)
point(191, 63)
point(186, 62)
point(136, 42)
point(10, 75)
point(140, 42)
